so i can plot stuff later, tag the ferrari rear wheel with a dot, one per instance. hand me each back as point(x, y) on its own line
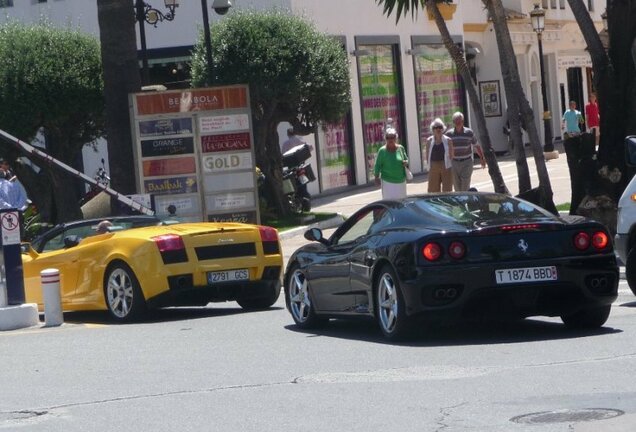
point(264, 302)
point(123, 295)
point(300, 302)
point(630, 269)
point(588, 318)
point(390, 309)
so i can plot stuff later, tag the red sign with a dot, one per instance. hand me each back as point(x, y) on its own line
point(169, 166)
point(192, 100)
point(225, 142)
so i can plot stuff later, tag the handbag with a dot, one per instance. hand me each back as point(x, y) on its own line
point(407, 171)
point(409, 174)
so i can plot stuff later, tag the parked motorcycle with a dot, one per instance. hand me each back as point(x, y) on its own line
point(297, 174)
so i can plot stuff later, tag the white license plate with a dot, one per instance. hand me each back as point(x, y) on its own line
point(528, 274)
point(228, 276)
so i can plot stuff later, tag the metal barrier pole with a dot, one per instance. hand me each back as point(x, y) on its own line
point(53, 315)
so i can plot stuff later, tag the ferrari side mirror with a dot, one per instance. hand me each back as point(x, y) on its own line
point(314, 234)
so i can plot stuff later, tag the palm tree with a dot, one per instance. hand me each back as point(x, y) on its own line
point(460, 61)
point(121, 77)
point(515, 95)
point(518, 102)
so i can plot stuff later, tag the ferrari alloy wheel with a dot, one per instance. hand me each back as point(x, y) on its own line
point(124, 298)
point(630, 269)
point(587, 318)
point(299, 300)
point(390, 311)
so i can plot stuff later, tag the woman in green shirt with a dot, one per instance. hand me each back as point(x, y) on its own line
point(390, 164)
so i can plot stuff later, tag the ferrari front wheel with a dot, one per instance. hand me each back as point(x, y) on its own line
point(389, 309)
point(123, 295)
point(299, 300)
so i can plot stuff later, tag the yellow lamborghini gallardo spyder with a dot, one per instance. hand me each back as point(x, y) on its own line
point(139, 263)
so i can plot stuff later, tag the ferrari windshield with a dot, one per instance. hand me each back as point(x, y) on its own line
point(478, 207)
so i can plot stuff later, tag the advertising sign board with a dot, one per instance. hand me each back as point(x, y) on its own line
point(195, 154)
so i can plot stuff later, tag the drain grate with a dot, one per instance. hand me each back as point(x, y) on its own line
point(568, 416)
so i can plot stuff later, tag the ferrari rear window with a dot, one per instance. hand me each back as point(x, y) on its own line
point(478, 207)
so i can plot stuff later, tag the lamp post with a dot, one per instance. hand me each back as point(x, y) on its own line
point(537, 16)
point(145, 13)
point(221, 7)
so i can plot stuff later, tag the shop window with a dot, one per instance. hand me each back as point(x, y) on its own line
point(381, 96)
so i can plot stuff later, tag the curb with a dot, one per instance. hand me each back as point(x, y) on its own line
point(327, 223)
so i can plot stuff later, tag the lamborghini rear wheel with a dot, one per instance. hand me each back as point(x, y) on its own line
point(122, 292)
point(263, 302)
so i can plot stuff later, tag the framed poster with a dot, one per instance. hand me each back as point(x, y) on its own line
point(490, 98)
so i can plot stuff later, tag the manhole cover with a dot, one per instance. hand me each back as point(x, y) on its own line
point(19, 416)
point(568, 416)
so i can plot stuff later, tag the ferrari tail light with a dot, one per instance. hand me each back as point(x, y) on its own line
point(432, 251)
point(268, 233)
point(600, 240)
point(519, 227)
point(582, 241)
point(457, 250)
point(169, 242)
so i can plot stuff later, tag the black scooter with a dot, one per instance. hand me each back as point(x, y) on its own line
point(297, 174)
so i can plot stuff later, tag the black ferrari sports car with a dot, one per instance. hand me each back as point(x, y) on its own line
point(454, 256)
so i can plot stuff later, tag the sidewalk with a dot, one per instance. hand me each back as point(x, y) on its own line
point(349, 201)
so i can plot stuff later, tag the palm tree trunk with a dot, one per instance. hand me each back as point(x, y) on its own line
point(121, 77)
point(513, 86)
point(458, 57)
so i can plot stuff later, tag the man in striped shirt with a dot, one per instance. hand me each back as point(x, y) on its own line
point(465, 145)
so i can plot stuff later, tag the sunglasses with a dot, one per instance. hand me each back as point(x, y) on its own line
point(438, 127)
point(391, 137)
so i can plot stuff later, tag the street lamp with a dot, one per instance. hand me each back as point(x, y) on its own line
point(537, 16)
point(221, 7)
point(145, 13)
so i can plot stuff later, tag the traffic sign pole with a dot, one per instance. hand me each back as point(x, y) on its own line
point(11, 271)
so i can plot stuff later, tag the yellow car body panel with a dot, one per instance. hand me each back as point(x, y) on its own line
point(83, 267)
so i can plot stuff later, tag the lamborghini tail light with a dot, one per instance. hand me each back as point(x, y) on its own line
point(457, 250)
point(582, 241)
point(169, 242)
point(432, 251)
point(172, 248)
point(268, 233)
point(600, 240)
point(269, 239)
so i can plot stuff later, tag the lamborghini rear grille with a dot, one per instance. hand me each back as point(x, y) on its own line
point(225, 251)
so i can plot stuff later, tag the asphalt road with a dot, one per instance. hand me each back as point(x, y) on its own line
point(219, 368)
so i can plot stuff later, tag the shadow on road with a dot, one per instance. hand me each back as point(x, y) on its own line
point(161, 315)
point(465, 333)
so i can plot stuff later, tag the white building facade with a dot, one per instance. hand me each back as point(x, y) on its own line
point(399, 72)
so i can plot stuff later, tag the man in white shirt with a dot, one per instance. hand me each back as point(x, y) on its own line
point(291, 142)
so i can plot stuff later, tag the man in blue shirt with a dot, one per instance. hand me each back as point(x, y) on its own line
point(12, 193)
point(572, 119)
